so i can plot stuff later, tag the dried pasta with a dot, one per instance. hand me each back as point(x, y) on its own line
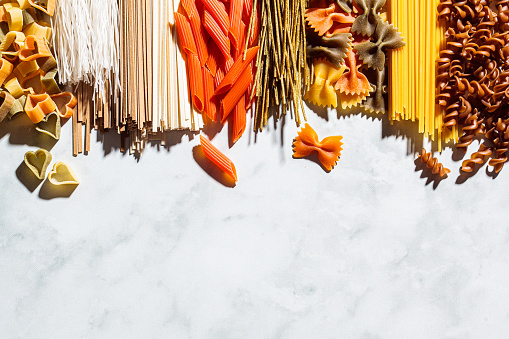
point(38, 162)
point(218, 158)
point(322, 92)
point(307, 142)
point(62, 175)
point(433, 164)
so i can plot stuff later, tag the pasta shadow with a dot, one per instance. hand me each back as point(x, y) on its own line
point(22, 131)
point(314, 158)
point(211, 169)
point(464, 176)
point(428, 174)
point(27, 178)
point(49, 191)
point(407, 130)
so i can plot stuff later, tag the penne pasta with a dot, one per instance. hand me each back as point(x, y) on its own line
point(236, 70)
point(196, 82)
point(218, 158)
point(218, 12)
point(197, 29)
point(214, 57)
point(185, 34)
point(218, 78)
point(219, 37)
point(210, 99)
point(236, 92)
point(239, 119)
point(236, 7)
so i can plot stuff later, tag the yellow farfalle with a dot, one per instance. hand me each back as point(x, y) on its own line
point(322, 92)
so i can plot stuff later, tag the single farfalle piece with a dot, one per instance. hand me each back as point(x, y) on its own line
point(322, 92)
point(322, 19)
point(353, 81)
point(366, 23)
point(329, 149)
point(433, 164)
point(372, 53)
point(334, 48)
point(375, 103)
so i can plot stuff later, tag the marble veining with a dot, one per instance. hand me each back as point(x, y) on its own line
point(162, 246)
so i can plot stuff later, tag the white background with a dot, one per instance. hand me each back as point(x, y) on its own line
point(161, 246)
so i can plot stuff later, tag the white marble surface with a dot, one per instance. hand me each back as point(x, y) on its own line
point(158, 248)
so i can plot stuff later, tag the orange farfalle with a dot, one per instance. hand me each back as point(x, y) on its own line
point(322, 19)
point(353, 81)
point(329, 149)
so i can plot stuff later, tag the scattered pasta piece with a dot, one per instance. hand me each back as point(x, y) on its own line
point(433, 164)
point(38, 162)
point(50, 125)
point(218, 158)
point(62, 174)
point(329, 149)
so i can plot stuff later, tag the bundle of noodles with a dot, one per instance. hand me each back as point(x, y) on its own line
point(282, 73)
point(121, 58)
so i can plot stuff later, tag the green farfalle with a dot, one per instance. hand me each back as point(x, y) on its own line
point(345, 5)
point(366, 23)
point(334, 48)
point(372, 53)
point(376, 102)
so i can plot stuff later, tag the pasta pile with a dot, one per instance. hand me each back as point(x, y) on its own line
point(473, 77)
point(219, 49)
point(347, 43)
point(27, 66)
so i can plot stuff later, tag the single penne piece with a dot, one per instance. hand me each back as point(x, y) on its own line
point(228, 63)
point(218, 12)
point(236, 7)
point(239, 119)
point(185, 34)
point(239, 51)
point(197, 29)
point(196, 82)
point(214, 56)
point(236, 92)
point(236, 70)
point(218, 158)
point(219, 37)
point(210, 100)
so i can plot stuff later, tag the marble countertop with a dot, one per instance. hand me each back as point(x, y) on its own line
point(162, 246)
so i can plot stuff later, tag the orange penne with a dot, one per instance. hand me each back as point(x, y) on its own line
point(248, 7)
point(210, 99)
point(217, 35)
point(237, 91)
point(218, 12)
point(236, 7)
point(195, 82)
point(214, 57)
point(238, 51)
point(185, 34)
point(228, 63)
point(218, 78)
point(197, 29)
point(218, 158)
point(239, 119)
point(235, 71)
